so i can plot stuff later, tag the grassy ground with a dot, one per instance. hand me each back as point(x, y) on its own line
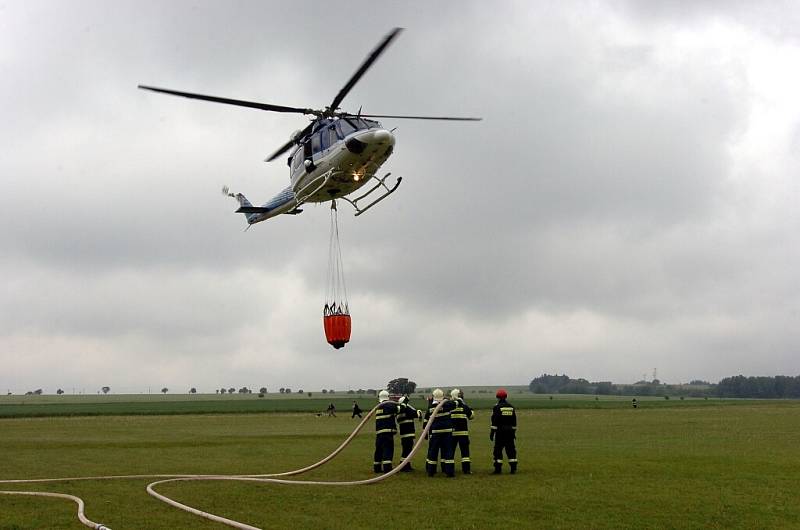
point(17, 406)
point(664, 465)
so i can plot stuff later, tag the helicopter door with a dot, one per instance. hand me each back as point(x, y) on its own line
point(308, 156)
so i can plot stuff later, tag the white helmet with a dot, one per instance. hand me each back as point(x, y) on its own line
point(438, 394)
point(454, 394)
point(404, 400)
point(383, 395)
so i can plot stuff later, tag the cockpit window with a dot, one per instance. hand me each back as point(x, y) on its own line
point(346, 127)
point(349, 125)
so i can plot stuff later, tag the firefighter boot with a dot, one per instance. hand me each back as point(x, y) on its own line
point(465, 468)
point(431, 469)
point(513, 467)
point(407, 468)
point(498, 468)
point(376, 468)
point(387, 468)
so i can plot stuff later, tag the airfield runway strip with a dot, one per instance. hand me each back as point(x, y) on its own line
point(268, 478)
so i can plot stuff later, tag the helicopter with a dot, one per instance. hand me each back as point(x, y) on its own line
point(336, 154)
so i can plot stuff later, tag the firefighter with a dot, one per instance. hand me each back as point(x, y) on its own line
point(503, 432)
point(461, 414)
point(440, 437)
point(356, 410)
point(385, 429)
point(405, 422)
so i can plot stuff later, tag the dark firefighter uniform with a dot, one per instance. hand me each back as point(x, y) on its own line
point(385, 429)
point(504, 431)
point(461, 414)
point(405, 422)
point(440, 439)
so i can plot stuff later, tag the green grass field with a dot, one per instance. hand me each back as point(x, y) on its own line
point(17, 406)
point(583, 464)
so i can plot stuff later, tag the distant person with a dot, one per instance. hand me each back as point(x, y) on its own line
point(461, 415)
point(503, 432)
point(385, 429)
point(356, 410)
point(405, 423)
point(440, 437)
point(331, 410)
point(635, 403)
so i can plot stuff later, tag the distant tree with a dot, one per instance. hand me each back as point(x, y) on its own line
point(300, 391)
point(222, 391)
point(401, 385)
point(324, 390)
point(59, 392)
point(351, 391)
point(361, 391)
point(288, 391)
point(372, 392)
point(231, 390)
point(193, 390)
point(262, 390)
point(309, 394)
point(331, 391)
point(106, 389)
point(216, 391)
point(698, 382)
point(38, 391)
point(282, 390)
point(546, 383)
point(164, 390)
point(604, 388)
point(28, 393)
point(244, 390)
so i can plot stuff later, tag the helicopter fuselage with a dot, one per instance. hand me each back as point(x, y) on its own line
point(338, 158)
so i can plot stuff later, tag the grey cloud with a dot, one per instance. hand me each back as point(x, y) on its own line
point(600, 219)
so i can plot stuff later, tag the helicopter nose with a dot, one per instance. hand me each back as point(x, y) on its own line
point(383, 136)
point(355, 146)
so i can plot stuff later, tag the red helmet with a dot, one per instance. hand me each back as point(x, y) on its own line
point(501, 393)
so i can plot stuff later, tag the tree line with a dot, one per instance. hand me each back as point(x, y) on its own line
point(774, 387)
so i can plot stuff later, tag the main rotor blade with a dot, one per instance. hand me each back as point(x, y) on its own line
point(227, 101)
point(288, 145)
point(448, 118)
point(285, 147)
point(364, 67)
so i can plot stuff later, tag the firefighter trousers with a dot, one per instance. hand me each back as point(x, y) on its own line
point(440, 444)
point(407, 444)
point(384, 452)
point(504, 441)
point(461, 442)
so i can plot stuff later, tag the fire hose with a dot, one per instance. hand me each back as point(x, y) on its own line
point(265, 478)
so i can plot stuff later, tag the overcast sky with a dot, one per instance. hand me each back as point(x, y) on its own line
point(629, 202)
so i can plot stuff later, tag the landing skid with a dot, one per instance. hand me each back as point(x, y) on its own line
point(381, 183)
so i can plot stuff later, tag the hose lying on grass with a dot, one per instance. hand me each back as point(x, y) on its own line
point(268, 478)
